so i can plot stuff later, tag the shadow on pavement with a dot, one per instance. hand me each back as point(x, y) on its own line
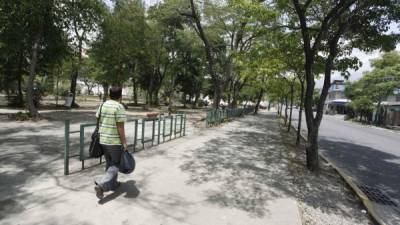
point(128, 188)
point(249, 163)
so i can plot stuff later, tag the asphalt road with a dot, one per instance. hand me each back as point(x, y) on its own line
point(370, 155)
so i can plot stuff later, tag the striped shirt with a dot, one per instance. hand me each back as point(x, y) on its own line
point(112, 113)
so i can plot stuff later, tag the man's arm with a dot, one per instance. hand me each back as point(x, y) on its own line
point(121, 132)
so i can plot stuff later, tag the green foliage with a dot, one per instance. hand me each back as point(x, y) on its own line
point(363, 107)
point(119, 43)
point(256, 46)
point(375, 86)
point(378, 84)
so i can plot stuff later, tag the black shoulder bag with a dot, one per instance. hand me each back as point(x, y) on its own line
point(95, 150)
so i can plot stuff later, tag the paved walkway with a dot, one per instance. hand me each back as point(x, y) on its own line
point(234, 174)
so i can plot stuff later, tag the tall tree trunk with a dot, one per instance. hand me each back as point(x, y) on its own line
point(19, 74)
point(171, 96)
point(259, 98)
point(135, 92)
point(300, 113)
point(281, 102)
point(20, 94)
point(278, 107)
point(75, 75)
point(209, 52)
point(312, 144)
point(286, 110)
point(291, 106)
point(230, 94)
point(183, 99)
point(32, 73)
point(217, 95)
point(155, 97)
point(57, 82)
point(196, 99)
point(170, 102)
point(234, 97)
point(149, 99)
point(105, 90)
point(377, 114)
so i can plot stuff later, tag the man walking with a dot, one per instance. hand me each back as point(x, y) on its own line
point(112, 140)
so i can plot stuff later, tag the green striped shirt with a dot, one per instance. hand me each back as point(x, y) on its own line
point(112, 113)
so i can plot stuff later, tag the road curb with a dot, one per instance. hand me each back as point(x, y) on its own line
point(364, 199)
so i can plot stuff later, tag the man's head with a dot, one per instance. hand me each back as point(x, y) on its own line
point(115, 93)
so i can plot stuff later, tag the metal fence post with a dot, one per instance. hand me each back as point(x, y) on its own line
point(66, 148)
point(143, 125)
point(171, 127)
point(81, 145)
point(159, 130)
point(135, 136)
point(152, 133)
point(184, 125)
point(163, 130)
point(176, 119)
point(181, 126)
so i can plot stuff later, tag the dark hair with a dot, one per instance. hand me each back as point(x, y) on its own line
point(115, 92)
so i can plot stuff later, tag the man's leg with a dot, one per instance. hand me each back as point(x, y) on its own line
point(99, 181)
point(109, 180)
point(115, 161)
point(107, 157)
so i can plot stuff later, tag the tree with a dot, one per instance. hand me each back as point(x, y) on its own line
point(384, 78)
point(89, 73)
point(117, 46)
point(209, 49)
point(291, 53)
point(377, 84)
point(13, 47)
point(84, 17)
point(325, 25)
point(166, 27)
point(189, 66)
point(241, 25)
point(45, 41)
point(363, 106)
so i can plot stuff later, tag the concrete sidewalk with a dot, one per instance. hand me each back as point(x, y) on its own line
point(234, 174)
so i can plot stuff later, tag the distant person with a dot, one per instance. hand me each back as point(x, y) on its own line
point(112, 140)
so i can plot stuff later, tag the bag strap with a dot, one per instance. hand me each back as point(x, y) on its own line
point(98, 118)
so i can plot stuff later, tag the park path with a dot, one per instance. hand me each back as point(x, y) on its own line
point(233, 174)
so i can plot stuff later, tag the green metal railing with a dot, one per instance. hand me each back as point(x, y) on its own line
point(216, 117)
point(159, 128)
